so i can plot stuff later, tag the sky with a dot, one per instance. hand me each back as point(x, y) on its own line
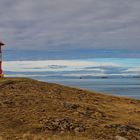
point(71, 26)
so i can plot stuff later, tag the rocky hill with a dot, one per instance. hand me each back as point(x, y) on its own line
point(33, 110)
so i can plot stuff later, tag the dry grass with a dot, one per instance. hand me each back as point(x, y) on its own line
point(36, 110)
point(56, 137)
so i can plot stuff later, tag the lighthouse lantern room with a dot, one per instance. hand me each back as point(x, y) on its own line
point(1, 72)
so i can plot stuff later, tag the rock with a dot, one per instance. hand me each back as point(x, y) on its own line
point(120, 138)
point(79, 129)
point(124, 130)
point(62, 125)
point(123, 127)
point(70, 106)
point(1, 138)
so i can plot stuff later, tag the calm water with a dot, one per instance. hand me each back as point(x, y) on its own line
point(129, 87)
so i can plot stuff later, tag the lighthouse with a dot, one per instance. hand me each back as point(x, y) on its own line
point(1, 72)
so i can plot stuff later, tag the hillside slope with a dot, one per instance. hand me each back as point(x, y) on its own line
point(30, 109)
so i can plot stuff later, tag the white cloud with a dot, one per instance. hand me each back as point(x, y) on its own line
point(69, 68)
point(134, 70)
point(61, 65)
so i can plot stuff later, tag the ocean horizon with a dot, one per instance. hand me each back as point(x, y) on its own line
point(116, 76)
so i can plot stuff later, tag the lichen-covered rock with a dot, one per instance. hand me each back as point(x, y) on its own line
point(62, 125)
point(70, 106)
point(124, 130)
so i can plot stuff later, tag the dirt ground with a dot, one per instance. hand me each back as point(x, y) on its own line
point(33, 110)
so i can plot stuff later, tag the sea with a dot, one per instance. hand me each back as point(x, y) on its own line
point(126, 87)
point(109, 75)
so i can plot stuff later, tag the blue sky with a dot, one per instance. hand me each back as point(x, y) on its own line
point(76, 27)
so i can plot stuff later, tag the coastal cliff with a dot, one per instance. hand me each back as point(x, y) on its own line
point(35, 110)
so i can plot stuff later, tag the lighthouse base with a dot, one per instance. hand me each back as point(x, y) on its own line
point(1, 76)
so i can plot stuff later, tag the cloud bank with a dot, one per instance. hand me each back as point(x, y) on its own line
point(70, 24)
point(71, 68)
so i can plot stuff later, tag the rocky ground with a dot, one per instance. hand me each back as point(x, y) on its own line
point(33, 110)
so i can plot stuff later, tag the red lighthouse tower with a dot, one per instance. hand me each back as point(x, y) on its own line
point(1, 72)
